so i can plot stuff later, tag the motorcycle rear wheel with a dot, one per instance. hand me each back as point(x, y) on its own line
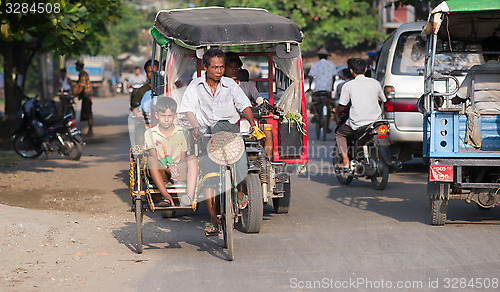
point(26, 147)
point(381, 177)
point(76, 149)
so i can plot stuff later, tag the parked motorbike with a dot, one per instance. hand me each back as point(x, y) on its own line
point(44, 130)
point(66, 103)
point(369, 156)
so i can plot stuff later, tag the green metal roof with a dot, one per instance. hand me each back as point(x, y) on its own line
point(452, 6)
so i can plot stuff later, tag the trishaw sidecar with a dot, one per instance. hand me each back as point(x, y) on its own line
point(460, 168)
point(268, 45)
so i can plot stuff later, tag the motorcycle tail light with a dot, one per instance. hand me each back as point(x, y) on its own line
point(71, 123)
point(383, 130)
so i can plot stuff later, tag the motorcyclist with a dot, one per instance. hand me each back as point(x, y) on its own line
point(323, 73)
point(364, 95)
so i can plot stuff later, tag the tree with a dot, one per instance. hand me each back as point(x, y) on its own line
point(127, 35)
point(69, 28)
point(348, 22)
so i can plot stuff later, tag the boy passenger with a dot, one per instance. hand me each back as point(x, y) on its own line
point(169, 153)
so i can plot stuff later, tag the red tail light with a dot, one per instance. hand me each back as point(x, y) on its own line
point(401, 105)
point(382, 129)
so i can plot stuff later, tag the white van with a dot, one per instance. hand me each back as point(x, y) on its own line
point(400, 71)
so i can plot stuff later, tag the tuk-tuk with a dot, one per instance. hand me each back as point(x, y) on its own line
point(268, 46)
point(461, 140)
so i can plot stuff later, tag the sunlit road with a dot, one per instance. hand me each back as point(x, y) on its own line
point(339, 237)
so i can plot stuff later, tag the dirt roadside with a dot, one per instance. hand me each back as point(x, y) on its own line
point(64, 224)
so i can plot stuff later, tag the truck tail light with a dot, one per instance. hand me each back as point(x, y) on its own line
point(401, 105)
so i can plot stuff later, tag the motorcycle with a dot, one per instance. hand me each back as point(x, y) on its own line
point(133, 89)
point(369, 156)
point(43, 130)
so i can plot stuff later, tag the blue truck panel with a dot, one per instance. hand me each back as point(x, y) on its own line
point(445, 138)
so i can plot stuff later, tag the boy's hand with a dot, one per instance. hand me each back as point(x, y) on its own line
point(174, 172)
point(196, 132)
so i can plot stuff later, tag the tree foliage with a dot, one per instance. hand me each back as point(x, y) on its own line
point(130, 33)
point(75, 27)
point(348, 22)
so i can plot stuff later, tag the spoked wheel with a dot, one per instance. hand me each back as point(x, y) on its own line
point(138, 220)
point(438, 201)
point(381, 177)
point(227, 215)
point(26, 147)
point(72, 149)
point(324, 122)
point(318, 126)
point(252, 215)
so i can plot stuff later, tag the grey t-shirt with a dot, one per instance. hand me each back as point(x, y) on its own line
point(364, 94)
point(250, 90)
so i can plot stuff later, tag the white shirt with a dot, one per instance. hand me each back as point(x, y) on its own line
point(210, 108)
point(64, 84)
point(138, 79)
point(323, 72)
point(486, 87)
point(364, 94)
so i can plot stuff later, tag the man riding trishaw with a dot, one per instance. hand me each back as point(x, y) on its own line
point(181, 39)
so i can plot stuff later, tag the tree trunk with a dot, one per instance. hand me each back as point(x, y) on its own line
point(12, 104)
point(16, 64)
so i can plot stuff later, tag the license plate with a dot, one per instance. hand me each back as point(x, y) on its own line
point(441, 173)
point(74, 131)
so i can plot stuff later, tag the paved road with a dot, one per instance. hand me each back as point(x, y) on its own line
point(339, 237)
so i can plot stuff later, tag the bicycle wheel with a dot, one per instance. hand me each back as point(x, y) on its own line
point(324, 122)
point(138, 221)
point(227, 215)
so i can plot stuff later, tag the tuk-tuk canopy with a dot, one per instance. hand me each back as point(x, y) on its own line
point(452, 6)
point(218, 26)
point(464, 20)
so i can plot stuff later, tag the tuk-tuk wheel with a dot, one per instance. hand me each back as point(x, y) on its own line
point(252, 215)
point(281, 205)
point(438, 201)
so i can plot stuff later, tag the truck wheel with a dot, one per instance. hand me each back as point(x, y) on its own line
point(252, 215)
point(281, 205)
point(438, 201)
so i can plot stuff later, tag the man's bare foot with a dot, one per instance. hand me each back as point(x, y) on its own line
point(343, 165)
point(241, 200)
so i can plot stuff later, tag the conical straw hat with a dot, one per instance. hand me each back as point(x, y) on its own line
point(225, 148)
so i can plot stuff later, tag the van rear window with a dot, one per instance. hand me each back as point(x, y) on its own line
point(409, 58)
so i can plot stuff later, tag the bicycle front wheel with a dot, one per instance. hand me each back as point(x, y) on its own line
point(228, 214)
